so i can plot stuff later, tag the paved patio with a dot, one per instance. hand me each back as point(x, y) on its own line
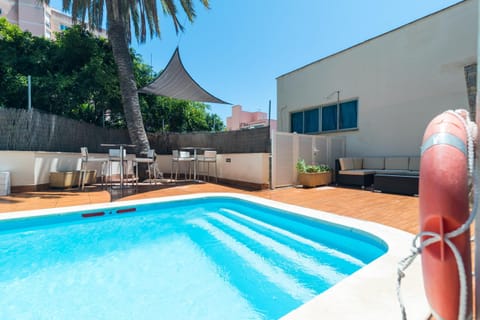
point(393, 210)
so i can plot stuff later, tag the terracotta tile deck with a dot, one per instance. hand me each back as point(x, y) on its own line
point(393, 210)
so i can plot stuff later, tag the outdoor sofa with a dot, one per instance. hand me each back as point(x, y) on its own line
point(385, 174)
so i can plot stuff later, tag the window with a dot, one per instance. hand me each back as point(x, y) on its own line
point(297, 122)
point(348, 115)
point(63, 27)
point(329, 118)
point(326, 118)
point(311, 121)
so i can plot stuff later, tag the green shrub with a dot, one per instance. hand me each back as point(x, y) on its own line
point(310, 168)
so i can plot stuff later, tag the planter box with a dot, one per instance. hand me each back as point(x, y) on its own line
point(91, 177)
point(64, 179)
point(71, 179)
point(314, 179)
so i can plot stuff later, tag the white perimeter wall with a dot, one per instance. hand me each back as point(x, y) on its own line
point(29, 168)
point(401, 79)
point(245, 167)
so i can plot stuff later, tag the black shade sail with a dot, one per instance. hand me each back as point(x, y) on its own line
point(175, 82)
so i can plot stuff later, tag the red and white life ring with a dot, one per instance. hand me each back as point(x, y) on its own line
point(444, 207)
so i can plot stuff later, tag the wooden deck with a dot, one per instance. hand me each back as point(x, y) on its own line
point(393, 210)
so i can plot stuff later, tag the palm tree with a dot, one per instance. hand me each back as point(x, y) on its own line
point(121, 15)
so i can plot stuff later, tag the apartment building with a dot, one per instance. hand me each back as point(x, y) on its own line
point(36, 17)
point(246, 120)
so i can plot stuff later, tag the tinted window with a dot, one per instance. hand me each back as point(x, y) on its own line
point(348, 115)
point(311, 121)
point(297, 122)
point(329, 118)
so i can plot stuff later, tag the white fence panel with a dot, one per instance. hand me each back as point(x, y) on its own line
point(283, 164)
point(336, 149)
point(305, 151)
point(288, 148)
point(320, 150)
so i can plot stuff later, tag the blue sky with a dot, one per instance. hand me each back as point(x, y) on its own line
point(237, 48)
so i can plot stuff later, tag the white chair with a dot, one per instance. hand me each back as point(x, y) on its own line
point(209, 157)
point(152, 166)
point(179, 158)
point(116, 156)
point(84, 167)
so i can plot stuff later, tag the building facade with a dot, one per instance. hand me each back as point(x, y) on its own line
point(246, 120)
point(38, 18)
point(382, 93)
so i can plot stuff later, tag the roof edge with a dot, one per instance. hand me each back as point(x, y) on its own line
point(371, 39)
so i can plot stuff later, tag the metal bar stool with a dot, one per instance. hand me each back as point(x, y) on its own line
point(209, 157)
point(84, 167)
point(179, 157)
point(152, 166)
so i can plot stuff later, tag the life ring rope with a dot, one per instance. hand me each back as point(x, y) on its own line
point(418, 245)
point(471, 131)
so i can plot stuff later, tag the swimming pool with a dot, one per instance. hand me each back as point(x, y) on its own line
point(199, 258)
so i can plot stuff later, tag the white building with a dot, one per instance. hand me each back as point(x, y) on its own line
point(36, 17)
point(382, 93)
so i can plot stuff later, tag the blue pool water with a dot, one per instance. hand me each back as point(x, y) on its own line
point(208, 258)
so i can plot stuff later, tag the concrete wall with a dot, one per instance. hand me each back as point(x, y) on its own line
point(31, 169)
point(251, 168)
point(402, 79)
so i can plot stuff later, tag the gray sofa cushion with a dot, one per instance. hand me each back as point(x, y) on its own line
point(396, 163)
point(357, 163)
point(414, 163)
point(374, 163)
point(398, 172)
point(346, 163)
point(357, 172)
point(402, 166)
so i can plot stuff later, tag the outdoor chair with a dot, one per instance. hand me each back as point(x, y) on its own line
point(209, 157)
point(152, 166)
point(181, 158)
point(84, 167)
point(114, 158)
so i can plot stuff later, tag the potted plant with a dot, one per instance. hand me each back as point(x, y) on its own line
point(313, 175)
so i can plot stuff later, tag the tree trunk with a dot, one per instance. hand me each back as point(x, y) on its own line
point(117, 34)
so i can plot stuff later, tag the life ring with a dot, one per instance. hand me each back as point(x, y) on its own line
point(444, 207)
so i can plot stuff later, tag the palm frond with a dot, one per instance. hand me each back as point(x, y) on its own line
point(141, 15)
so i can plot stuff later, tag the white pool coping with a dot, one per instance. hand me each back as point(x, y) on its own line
point(369, 293)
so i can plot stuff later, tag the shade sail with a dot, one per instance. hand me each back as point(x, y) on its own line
point(175, 82)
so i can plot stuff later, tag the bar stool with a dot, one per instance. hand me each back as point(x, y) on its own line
point(115, 156)
point(152, 166)
point(208, 157)
point(179, 157)
point(84, 166)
